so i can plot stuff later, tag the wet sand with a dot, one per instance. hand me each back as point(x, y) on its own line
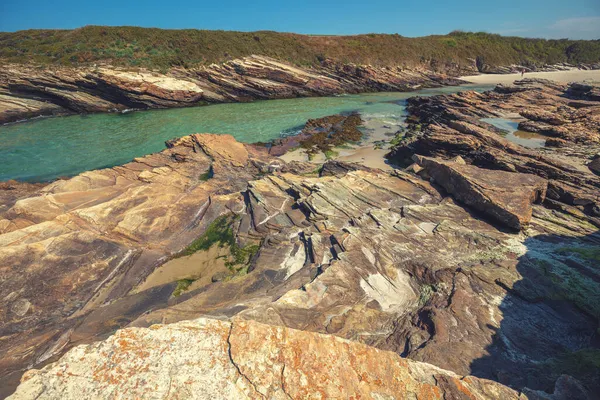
point(574, 75)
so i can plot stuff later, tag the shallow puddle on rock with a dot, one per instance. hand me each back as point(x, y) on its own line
point(513, 134)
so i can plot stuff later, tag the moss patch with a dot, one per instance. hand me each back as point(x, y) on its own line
point(585, 253)
point(241, 255)
point(426, 293)
point(583, 365)
point(218, 232)
point(568, 284)
point(182, 286)
point(329, 154)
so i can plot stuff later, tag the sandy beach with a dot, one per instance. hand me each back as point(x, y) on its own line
point(574, 75)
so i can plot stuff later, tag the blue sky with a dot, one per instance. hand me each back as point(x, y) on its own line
point(577, 19)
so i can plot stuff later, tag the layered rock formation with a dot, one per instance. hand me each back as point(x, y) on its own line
point(482, 66)
point(83, 242)
point(568, 116)
point(27, 91)
point(211, 359)
point(504, 196)
point(423, 265)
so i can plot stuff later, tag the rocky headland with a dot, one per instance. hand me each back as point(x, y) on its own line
point(470, 271)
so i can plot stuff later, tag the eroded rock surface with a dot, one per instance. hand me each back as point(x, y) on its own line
point(450, 126)
point(27, 91)
point(505, 196)
point(385, 259)
point(79, 243)
point(208, 359)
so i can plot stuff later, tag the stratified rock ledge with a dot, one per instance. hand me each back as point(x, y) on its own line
point(505, 196)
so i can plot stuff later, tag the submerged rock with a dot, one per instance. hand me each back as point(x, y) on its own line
point(321, 134)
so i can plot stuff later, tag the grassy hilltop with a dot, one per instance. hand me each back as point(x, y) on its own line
point(160, 48)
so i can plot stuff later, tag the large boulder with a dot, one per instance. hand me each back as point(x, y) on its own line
point(208, 359)
point(507, 197)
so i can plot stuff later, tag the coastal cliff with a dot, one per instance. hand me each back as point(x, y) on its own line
point(479, 258)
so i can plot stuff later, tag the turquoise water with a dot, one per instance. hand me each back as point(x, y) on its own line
point(47, 148)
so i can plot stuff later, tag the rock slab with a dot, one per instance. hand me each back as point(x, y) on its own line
point(507, 197)
point(208, 359)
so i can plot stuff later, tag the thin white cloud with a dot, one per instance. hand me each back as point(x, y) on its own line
point(580, 28)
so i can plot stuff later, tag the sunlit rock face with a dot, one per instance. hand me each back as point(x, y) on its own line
point(27, 91)
point(208, 359)
point(399, 261)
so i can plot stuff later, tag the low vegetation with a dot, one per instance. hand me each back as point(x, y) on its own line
point(182, 286)
point(160, 48)
point(220, 233)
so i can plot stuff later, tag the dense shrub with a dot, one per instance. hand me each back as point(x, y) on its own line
point(159, 48)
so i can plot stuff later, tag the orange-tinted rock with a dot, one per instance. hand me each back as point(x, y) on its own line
point(207, 359)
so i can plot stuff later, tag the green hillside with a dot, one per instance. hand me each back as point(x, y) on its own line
point(159, 48)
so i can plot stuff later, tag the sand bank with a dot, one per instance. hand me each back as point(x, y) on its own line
point(573, 75)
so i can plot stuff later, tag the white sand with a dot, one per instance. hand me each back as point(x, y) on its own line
point(573, 75)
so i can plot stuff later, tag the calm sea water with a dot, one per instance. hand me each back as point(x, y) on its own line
point(44, 149)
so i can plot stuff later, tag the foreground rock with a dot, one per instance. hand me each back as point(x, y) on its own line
point(506, 197)
point(211, 227)
point(208, 359)
point(27, 91)
point(76, 244)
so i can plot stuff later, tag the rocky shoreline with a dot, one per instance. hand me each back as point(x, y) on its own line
point(28, 91)
point(476, 262)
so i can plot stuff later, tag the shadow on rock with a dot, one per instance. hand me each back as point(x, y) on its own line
point(550, 317)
